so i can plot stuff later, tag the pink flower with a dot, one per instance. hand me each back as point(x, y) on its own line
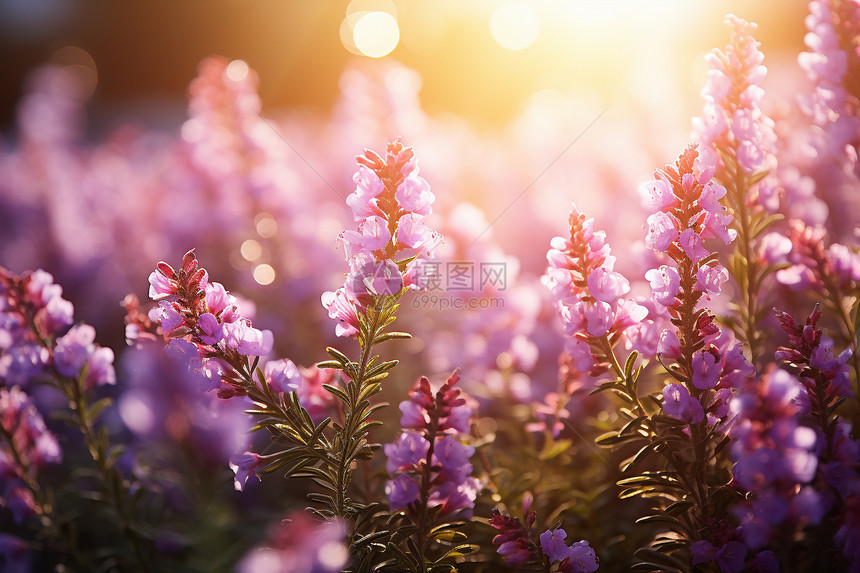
point(665, 284)
point(599, 317)
point(282, 376)
point(657, 195)
point(211, 331)
point(662, 231)
point(341, 308)
point(414, 195)
point(691, 243)
point(709, 279)
point(246, 340)
point(606, 285)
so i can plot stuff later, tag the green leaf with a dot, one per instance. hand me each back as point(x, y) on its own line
point(334, 390)
point(661, 560)
point(97, 409)
point(333, 364)
point(391, 336)
point(631, 361)
point(338, 355)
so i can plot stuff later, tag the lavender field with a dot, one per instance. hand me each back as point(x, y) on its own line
point(512, 286)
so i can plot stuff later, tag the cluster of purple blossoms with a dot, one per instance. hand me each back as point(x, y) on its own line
point(588, 294)
point(685, 210)
point(774, 457)
point(386, 253)
point(724, 548)
point(203, 325)
point(27, 445)
point(519, 549)
point(733, 124)
point(33, 316)
point(428, 463)
point(833, 28)
point(826, 380)
point(300, 544)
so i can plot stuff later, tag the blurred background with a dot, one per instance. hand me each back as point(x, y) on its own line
point(481, 60)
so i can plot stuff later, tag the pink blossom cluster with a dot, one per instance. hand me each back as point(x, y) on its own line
point(588, 294)
point(33, 317)
point(733, 124)
point(428, 463)
point(812, 265)
point(684, 201)
point(386, 252)
point(203, 326)
point(27, 445)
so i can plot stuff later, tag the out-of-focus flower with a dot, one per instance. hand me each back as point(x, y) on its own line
point(27, 447)
point(301, 545)
point(733, 124)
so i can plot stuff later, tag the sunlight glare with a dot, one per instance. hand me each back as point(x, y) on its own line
point(514, 26)
point(376, 34)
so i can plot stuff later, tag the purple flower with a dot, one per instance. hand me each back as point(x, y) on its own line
point(691, 243)
point(100, 368)
point(401, 491)
point(282, 376)
point(703, 551)
point(245, 466)
point(405, 453)
point(211, 331)
point(706, 370)
point(577, 558)
point(73, 349)
point(678, 403)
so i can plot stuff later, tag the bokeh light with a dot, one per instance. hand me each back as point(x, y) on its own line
point(264, 274)
point(376, 34)
point(514, 26)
